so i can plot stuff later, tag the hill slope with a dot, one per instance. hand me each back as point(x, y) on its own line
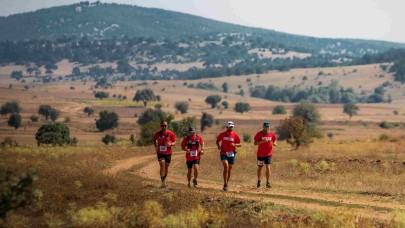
point(113, 20)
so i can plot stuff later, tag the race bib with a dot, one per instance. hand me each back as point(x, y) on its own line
point(230, 154)
point(163, 148)
point(260, 163)
point(193, 153)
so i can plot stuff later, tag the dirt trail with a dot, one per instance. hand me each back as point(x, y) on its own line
point(367, 206)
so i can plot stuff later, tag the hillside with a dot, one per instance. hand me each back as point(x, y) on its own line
point(100, 21)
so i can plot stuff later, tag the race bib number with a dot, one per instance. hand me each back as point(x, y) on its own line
point(193, 153)
point(230, 154)
point(260, 163)
point(163, 148)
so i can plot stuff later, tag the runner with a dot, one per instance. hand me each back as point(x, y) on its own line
point(193, 144)
point(164, 141)
point(229, 140)
point(265, 140)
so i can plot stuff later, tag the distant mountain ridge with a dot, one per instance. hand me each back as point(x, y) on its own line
point(103, 21)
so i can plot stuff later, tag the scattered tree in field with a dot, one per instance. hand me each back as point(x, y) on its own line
point(225, 87)
point(108, 120)
point(101, 94)
point(17, 75)
point(34, 118)
point(8, 142)
point(308, 112)
point(74, 141)
point(295, 130)
point(225, 104)
point(145, 95)
point(88, 110)
point(17, 191)
point(10, 108)
point(279, 110)
point(54, 114)
point(76, 71)
point(53, 133)
point(181, 106)
point(132, 139)
point(154, 115)
point(206, 121)
point(109, 139)
point(242, 107)
point(213, 100)
point(14, 120)
point(45, 110)
point(350, 109)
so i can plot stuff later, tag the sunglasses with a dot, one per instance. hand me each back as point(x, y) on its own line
point(163, 125)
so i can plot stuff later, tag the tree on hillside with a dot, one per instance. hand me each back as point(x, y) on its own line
point(88, 110)
point(279, 110)
point(17, 75)
point(181, 106)
point(308, 112)
point(350, 109)
point(295, 131)
point(107, 120)
point(225, 87)
point(206, 121)
point(101, 94)
point(10, 108)
point(154, 115)
point(44, 110)
point(242, 107)
point(213, 100)
point(14, 120)
point(76, 71)
point(225, 104)
point(53, 133)
point(145, 95)
point(54, 114)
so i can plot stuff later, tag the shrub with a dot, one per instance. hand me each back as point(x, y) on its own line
point(10, 108)
point(34, 118)
point(322, 166)
point(181, 106)
point(388, 125)
point(109, 139)
point(242, 107)
point(9, 142)
point(88, 110)
point(295, 131)
point(154, 115)
point(384, 137)
point(53, 133)
point(247, 138)
point(305, 167)
point(54, 114)
point(108, 120)
point(308, 112)
point(279, 110)
point(213, 100)
point(14, 120)
point(330, 135)
point(17, 191)
point(206, 120)
point(74, 141)
point(132, 138)
point(225, 104)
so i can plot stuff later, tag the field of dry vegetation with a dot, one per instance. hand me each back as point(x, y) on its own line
point(352, 177)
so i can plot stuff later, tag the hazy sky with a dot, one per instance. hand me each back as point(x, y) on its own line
point(364, 19)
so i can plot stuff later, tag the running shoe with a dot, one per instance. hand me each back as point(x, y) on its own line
point(195, 183)
point(268, 185)
point(225, 187)
point(259, 185)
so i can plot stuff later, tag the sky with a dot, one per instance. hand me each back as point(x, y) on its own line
point(360, 19)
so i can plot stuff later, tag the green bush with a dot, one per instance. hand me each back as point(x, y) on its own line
point(109, 139)
point(108, 120)
point(9, 142)
point(34, 118)
point(53, 133)
point(247, 138)
point(279, 110)
point(17, 191)
point(388, 125)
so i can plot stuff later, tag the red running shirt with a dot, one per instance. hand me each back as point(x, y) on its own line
point(265, 149)
point(161, 139)
point(226, 138)
point(195, 152)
